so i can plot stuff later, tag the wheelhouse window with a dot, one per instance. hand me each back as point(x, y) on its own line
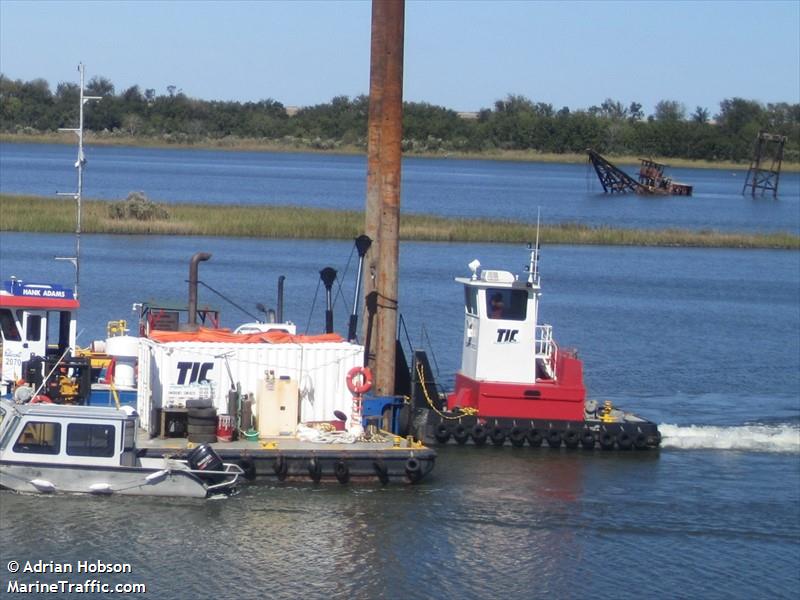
point(39, 437)
point(506, 304)
point(9, 326)
point(84, 439)
point(33, 328)
point(471, 300)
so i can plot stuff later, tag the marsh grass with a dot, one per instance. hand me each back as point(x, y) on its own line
point(51, 215)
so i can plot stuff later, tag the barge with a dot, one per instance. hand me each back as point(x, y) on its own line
point(274, 403)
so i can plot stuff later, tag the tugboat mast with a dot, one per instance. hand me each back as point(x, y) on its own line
point(79, 164)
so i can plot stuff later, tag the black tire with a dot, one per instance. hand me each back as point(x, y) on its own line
point(202, 438)
point(202, 429)
point(640, 441)
point(381, 472)
point(413, 470)
point(606, 440)
point(460, 434)
point(587, 440)
point(314, 469)
point(498, 436)
point(517, 437)
point(203, 413)
point(342, 472)
point(199, 403)
point(534, 438)
point(442, 433)
point(280, 467)
point(202, 421)
point(624, 440)
point(571, 438)
point(249, 468)
point(479, 435)
point(404, 421)
point(554, 438)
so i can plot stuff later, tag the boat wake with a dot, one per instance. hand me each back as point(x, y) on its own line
point(755, 438)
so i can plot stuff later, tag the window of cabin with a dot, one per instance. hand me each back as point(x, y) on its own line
point(84, 439)
point(33, 328)
point(506, 304)
point(471, 300)
point(9, 326)
point(39, 438)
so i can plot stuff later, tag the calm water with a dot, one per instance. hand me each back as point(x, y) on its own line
point(472, 188)
point(704, 342)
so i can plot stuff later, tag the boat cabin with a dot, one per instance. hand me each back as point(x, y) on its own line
point(67, 435)
point(510, 365)
point(35, 320)
point(502, 338)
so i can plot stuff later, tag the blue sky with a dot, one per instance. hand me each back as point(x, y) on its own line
point(462, 55)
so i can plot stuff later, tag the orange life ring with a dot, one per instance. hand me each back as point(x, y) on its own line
point(41, 399)
point(362, 374)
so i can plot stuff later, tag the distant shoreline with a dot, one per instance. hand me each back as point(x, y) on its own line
point(24, 214)
point(262, 145)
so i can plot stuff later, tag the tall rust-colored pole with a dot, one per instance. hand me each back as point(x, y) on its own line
point(383, 187)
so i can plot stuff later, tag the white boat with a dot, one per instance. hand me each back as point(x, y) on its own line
point(50, 448)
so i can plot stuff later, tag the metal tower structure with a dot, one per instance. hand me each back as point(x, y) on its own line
point(79, 164)
point(768, 151)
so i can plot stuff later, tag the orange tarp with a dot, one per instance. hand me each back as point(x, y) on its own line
point(204, 334)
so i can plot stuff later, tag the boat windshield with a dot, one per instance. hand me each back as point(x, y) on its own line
point(503, 303)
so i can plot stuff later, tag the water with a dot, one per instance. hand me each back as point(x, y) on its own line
point(456, 188)
point(704, 342)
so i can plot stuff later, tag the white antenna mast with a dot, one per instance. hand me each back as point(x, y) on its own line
point(75, 260)
point(533, 268)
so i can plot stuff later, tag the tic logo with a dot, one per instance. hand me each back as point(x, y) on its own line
point(192, 372)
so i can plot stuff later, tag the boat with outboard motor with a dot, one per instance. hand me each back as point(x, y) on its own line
point(51, 448)
point(516, 383)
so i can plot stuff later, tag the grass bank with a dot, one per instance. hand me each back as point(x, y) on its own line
point(50, 215)
point(266, 145)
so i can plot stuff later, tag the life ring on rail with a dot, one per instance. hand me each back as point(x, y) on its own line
point(41, 399)
point(362, 375)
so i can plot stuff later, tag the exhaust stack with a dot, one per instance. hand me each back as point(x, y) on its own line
point(193, 265)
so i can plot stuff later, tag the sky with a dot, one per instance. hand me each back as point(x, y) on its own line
point(462, 55)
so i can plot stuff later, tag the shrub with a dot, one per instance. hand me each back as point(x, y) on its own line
point(137, 207)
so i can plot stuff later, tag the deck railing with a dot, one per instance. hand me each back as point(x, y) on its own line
point(546, 350)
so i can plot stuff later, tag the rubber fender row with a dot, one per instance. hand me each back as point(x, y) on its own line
point(519, 436)
point(341, 470)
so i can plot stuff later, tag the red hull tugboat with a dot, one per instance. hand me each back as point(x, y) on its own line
point(515, 382)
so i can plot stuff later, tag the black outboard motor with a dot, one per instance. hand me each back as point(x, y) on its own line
point(204, 458)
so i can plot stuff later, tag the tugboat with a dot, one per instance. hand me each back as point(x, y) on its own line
point(515, 382)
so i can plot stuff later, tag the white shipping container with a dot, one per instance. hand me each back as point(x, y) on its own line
point(320, 370)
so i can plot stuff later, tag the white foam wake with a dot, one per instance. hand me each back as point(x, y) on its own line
point(756, 438)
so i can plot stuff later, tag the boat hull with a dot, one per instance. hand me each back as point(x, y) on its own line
point(128, 481)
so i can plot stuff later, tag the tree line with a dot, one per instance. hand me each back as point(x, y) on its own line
point(513, 123)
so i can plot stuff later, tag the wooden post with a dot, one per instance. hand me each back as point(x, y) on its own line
point(382, 221)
